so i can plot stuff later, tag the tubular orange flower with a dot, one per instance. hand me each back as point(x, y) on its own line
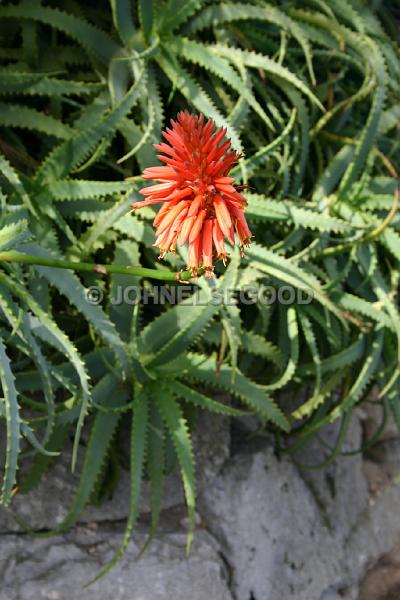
point(201, 205)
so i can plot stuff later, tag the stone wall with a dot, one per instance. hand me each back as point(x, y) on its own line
point(267, 528)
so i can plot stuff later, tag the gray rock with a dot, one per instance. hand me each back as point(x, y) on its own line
point(382, 582)
point(331, 594)
point(340, 489)
point(211, 439)
point(296, 533)
point(284, 531)
point(271, 530)
point(47, 505)
point(378, 477)
point(56, 569)
point(375, 534)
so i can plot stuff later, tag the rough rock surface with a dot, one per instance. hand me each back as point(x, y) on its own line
point(276, 530)
point(211, 442)
point(376, 533)
point(382, 582)
point(56, 569)
point(289, 532)
point(339, 481)
point(271, 530)
point(48, 504)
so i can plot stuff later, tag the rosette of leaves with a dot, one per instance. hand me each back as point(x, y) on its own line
point(309, 93)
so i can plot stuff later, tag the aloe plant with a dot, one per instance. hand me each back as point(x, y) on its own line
point(309, 95)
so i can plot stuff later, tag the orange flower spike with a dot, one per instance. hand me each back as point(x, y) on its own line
point(223, 215)
point(197, 225)
point(201, 204)
point(171, 215)
point(161, 213)
point(195, 206)
point(186, 229)
point(194, 255)
point(207, 244)
point(218, 239)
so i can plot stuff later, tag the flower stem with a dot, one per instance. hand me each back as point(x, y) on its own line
point(19, 257)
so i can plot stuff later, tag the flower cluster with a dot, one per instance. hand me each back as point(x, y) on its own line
point(201, 205)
